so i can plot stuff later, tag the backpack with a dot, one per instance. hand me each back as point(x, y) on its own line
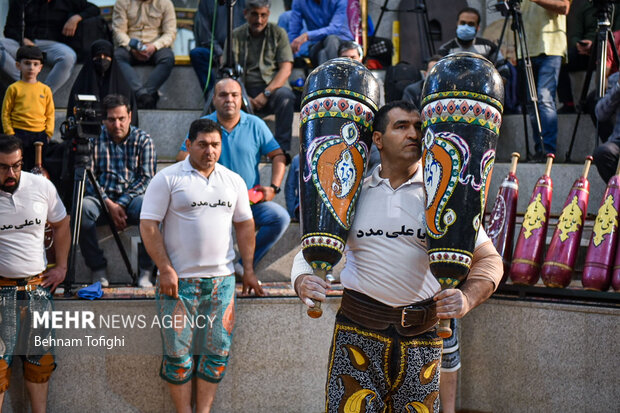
point(397, 78)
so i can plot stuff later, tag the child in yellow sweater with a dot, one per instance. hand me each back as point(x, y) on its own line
point(28, 107)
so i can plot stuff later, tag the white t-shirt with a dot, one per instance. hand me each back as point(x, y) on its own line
point(22, 225)
point(197, 215)
point(386, 255)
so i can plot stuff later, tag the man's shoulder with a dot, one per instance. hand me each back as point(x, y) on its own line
point(485, 42)
point(36, 182)
point(140, 134)
point(241, 31)
point(229, 175)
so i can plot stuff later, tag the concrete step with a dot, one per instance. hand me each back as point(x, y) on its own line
point(180, 91)
point(168, 129)
point(512, 138)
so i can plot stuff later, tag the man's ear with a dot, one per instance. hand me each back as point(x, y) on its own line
point(377, 139)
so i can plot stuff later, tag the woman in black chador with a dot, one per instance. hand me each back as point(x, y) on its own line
point(101, 76)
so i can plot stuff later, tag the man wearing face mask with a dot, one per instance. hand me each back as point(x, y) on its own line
point(468, 24)
point(101, 76)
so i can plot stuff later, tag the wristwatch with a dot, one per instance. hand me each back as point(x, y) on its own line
point(267, 93)
point(276, 188)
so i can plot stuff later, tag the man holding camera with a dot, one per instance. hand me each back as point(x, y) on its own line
point(144, 31)
point(123, 162)
point(544, 24)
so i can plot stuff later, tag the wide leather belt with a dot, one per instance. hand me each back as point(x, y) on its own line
point(410, 320)
point(22, 284)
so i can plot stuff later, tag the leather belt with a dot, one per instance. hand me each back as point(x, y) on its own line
point(409, 320)
point(22, 284)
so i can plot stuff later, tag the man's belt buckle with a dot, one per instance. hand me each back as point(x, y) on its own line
point(407, 310)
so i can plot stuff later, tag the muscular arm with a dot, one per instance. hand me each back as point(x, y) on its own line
point(484, 277)
point(556, 6)
point(246, 241)
point(154, 244)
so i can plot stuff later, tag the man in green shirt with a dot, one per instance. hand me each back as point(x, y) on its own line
point(263, 51)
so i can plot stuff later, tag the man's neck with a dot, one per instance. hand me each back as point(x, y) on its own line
point(30, 81)
point(397, 174)
point(204, 172)
point(229, 124)
point(465, 44)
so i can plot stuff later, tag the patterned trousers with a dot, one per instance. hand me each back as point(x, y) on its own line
point(382, 371)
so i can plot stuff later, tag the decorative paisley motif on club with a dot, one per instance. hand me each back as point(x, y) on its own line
point(321, 239)
point(462, 110)
point(337, 107)
point(336, 166)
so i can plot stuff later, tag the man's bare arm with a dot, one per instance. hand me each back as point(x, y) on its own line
point(154, 245)
point(246, 240)
point(556, 6)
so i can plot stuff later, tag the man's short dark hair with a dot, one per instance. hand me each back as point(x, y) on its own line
point(382, 118)
point(203, 126)
point(114, 101)
point(29, 53)
point(10, 144)
point(257, 4)
point(470, 10)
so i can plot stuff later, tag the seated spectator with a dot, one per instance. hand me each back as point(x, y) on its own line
point(28, 106)
point(284, 22)
point(210, 24)
point(468, 25)
point(607, 154)
point(123, 163)
point(351, 50)
point(263, 51)
point(245, 138)
point(327, 25)
point(144, 32)
point(46, 24)
point(101, 76)
point(413, 92)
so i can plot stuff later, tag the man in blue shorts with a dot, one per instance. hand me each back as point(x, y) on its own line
point(197, 202)
point(245, 138)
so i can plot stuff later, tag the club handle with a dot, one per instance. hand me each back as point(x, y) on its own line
point(550, 158)
point(513, 166)
point(444, 331)
point(316, 311)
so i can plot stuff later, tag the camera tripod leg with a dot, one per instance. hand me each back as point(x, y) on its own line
point(75, 222)
point(117, 238)
point(598, 62)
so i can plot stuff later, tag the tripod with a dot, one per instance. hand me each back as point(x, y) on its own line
point(512, 10)
point(83, 171)
point(598, 59)
point(421, 9)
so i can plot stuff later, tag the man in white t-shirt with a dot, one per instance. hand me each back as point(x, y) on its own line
point(27, 201)
point(386, 352)
point(198, 201)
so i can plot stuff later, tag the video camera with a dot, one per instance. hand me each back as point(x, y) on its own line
point(504, 7)
point(86, 120)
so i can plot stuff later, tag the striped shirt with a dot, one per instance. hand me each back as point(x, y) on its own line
point(125, 169)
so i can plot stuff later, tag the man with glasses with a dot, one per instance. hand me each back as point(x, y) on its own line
point(27, 201)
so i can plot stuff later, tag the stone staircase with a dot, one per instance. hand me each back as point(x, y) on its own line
point(181, 103)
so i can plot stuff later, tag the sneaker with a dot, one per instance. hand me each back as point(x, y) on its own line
point(101, 276)
point(144, 280)
point(566, 109)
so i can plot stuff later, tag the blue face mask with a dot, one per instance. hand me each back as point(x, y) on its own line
point(465, 32)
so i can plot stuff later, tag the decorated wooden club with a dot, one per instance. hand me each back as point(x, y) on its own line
point(461, 115)
point(48, 238)
point(557, 271)
point(528, 253)
point(597, 270)
point(338, 108)
point(501, 225)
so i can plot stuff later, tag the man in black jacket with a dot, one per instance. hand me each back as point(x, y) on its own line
point(47, 25)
